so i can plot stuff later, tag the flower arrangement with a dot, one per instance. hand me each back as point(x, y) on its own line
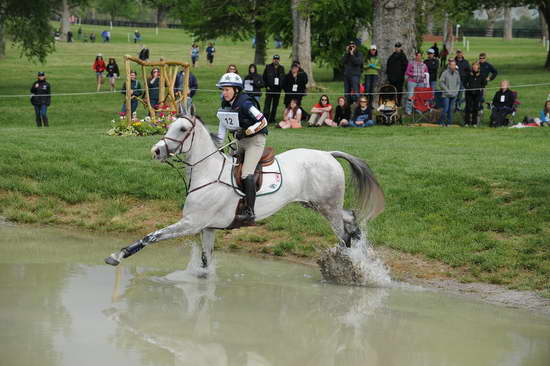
point(141, 127)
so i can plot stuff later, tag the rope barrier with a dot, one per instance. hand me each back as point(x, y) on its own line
point(264, 92)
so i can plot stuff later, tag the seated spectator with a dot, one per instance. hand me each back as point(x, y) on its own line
point(544, 118)
point(292, 116)
point(342, 114)
point(135, 91)
point(362, 114)
point(153, 83)
point(321, 113)
point(503, 105)
point(253, 83)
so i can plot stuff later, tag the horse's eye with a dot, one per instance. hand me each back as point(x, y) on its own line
point(182, 129)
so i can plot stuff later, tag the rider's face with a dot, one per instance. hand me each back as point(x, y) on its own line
point(228, 93)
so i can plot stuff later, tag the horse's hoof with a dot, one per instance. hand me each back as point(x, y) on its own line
point(112, 261)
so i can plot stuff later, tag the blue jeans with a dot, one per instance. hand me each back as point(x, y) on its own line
point(41, 113)
point(370, 81)
point(363, 118)
point(410, 91)
point(351, 83)
point(448, 109)
point(134, 104)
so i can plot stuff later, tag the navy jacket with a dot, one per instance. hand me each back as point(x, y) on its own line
point(243, 104)
point(41, 93)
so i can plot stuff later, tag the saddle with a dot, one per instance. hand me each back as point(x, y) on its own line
point(268, 156)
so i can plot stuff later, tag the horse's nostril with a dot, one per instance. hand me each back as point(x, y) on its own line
point(157, 151)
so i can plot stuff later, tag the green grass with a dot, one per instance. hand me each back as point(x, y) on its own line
point(472, 198)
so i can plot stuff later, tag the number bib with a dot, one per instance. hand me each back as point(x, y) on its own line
point(229, 119)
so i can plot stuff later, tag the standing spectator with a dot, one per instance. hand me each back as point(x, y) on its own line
point(92, 37)
point(321, 113)
point(153, 84)
point(443, 59)
point(143, 53)
point(232, 68)
point(294, 84)
point(503, 105)
point(135, 91)
point(112, 73)
point(464, 70)
point(40, 99)
point(104, 36)
point(342, 116)
point(108, 36)
point(137, 36)
point(69, 37)
point(79, 33)
point(253, 83)
point(449, 84)
point(99, 68)
point(474, 85)
point(273, 80)
point(210, 51)
point(278, 41)
point(194, 54)
point(353, 63)
point(371, 75)
point(396, 68)
point(362, 114)
point(416, 76)
point(436, 50)
point(193, 86)
point(487, 70)
point(432, 64)
point(292, 116)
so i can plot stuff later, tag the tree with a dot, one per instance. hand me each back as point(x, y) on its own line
point(508, 22)
point(492, 15)
point(301, 40)
point(163, 7)
point(116, 8)
point(65, 7)
point(27, 23)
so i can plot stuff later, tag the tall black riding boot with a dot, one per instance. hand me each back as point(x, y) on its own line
point(248, 217)
point(45, 121)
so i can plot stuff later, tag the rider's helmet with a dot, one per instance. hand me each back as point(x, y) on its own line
point(230, 79)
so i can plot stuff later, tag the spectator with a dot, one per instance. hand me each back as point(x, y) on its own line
point(353, 63)
point(137, 36)
point(321, 113)
point(194, 53)
point(503, 105)
point(135, 91)
point(463, 67)
point(292, 115)
point(112, 73)
point(544, 118)
point(486, 69)
point(104, 36)
point(342, 115)
point(294, 84)
point(69, 37)
point(153, 84)
point(371, 75)
point(253, 83)
point(436, 50)
point(99, 68)
point(143, 53)
point(278, 41)
point(79, 33)
point(108, 36)
point(449, 84)
point(396, 68)
point(273, 75)
point(432, 64)
point(92, 37)
point(362, 114)
point(232, 68)
point(193, 86)
point(443, 59)
point(474, 85)
point(210, 51)
point(40, 99)
point(416, 76)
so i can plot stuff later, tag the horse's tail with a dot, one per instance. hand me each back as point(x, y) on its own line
point(370, 201)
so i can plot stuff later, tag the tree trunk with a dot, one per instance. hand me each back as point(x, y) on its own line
point(162, 12)
point(301, 47)
point(2, 42)
point(492, 15)
point(394, 21)
point(544, 8)
point(261, 43)
point(430, 23)
point(448, 40)
point(508, 21)
point(65, 14)
point(543, 25)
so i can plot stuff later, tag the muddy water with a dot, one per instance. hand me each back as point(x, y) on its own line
point(60, 308)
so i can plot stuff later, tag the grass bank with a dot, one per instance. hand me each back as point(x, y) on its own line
point(475, 199)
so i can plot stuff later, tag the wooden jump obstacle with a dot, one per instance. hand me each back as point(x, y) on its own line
point(167, 95)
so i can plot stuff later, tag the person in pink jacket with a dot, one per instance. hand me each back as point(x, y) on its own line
point(416, 77)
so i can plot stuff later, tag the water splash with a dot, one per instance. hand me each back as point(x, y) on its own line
point(358, 265)
point(194, 270)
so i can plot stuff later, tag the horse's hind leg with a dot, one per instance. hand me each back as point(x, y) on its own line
point(208, 236)
point(351, 228)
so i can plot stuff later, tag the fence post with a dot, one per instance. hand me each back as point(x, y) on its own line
point(468, 46)
point(128, 88)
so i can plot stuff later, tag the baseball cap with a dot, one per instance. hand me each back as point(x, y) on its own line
point(373, 47)
point(276, 57)
point(398, 44)
point(41, 73)
point(431, 50)
point(458, 51)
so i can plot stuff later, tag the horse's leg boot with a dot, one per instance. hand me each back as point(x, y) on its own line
point(247, 217)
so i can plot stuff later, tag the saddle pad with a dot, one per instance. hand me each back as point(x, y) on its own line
point(272, 179)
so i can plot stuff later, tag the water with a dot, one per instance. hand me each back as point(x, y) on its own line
point(56, 311)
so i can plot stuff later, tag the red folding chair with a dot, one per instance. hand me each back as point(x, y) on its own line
point(423, 104)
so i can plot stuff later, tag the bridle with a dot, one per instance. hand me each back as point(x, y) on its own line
point(179, 149)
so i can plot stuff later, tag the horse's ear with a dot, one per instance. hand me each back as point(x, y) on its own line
point(186, 108)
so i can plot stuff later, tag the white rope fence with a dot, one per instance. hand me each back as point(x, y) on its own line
point(4, 96)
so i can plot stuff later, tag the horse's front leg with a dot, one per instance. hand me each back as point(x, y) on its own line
point(208, 237)
point(180, 228)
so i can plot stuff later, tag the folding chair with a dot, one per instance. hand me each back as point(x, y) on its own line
point(423, 102)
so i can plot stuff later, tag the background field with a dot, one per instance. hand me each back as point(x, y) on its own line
point(477, 199)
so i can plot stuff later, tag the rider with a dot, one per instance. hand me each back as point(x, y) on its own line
point(240, 114)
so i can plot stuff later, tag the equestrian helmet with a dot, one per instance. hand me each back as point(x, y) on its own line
point(230, 79)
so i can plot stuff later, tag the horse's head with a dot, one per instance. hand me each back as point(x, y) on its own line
point(178, 139)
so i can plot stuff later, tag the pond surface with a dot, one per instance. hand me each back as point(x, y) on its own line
point(252, 312)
